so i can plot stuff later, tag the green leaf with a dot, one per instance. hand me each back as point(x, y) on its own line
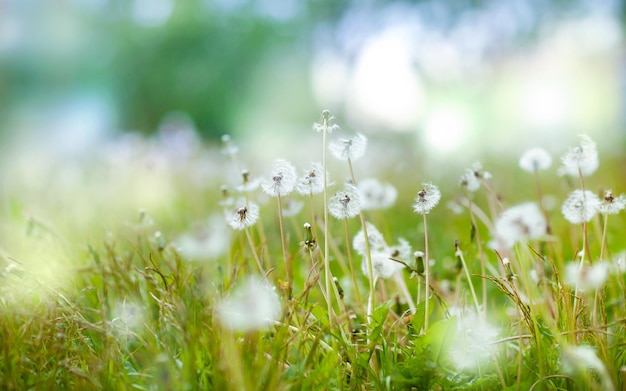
point(417, 321)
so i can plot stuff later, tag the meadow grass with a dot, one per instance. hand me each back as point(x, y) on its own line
point(479, 296)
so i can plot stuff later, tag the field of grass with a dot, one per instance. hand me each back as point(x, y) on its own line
point(166, 264)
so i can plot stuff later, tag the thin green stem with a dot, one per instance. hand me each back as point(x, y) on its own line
point(327, 273)
point(427, 273)
point(284, 246)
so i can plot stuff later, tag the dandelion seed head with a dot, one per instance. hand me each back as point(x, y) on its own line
point(576, 359)
point(349, 149)
point(580, 207)
point(535, 159)
point(327, 123)
point(312, 182)
point(376, 195)
point(582, 159)
point(292, 207)
point(346, 203)
point(473, 341)
point(283, 179)
point(587, 278)
point(382, 266)
point(518, 223)
point(376, 240)
point(472, 176)
point(254, 305)
point(244, 216)
point(611, 204)
point(426, 199)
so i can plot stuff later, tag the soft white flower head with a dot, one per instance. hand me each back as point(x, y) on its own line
point(327, 123)
point(254, 305)
point(472, 344)
point(283, 179)
point(376, 195)
point(579, 359)
point(127, 318)
point(611, 204)
point(583, 157)
point(580, 207)
point(207, 241)
point(312, 182)
point(345, 204)
point(228, 148)
point(472, 176)
point(349, 149)
point(245, 216)
point(376, 240)
point(518, 223)
point(382, 266)
point(535, 159)
point(292, 207)
point(426, 199)
point(587, 278)
point(248, 184)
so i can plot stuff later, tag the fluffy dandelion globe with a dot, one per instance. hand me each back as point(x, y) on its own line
point(580, 206)
point(472, 176)
point(520, 222)
point(245, 216)
point(346, 203)
point(312, 182)
point(611, 204)
point(426, 199)
point(376, 195)
point(349, 149)
point(254, 305)
point(581, 160)
point(535, 159)
point(282, 181)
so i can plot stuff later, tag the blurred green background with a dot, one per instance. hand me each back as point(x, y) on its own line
point(454, 73)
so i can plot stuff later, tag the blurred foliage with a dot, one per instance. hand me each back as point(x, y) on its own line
point(202, 60)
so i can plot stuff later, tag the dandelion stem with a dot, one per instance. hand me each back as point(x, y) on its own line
point(459, 254)
point(256, 256)
point(370, 267)
point(351, 264)
point(284, 245)
point(327, 273)
point(427, 274)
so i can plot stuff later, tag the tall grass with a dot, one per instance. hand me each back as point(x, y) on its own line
point(134, 305)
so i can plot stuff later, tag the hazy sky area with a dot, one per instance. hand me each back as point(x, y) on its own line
point(450, 76)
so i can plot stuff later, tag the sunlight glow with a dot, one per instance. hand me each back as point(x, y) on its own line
point(386, 90)
point(446, 129)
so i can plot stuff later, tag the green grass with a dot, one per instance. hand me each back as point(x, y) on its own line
point(94, 295)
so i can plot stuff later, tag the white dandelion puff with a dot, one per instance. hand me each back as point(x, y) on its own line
point(327, 123)
point(382, 265)
point(292, 207)
point(349, 149)
point(472, 176)
point(582, 159)
point(580, 206)
point(244, 216)
point(312, 182)
point(253, 306)
point(229, 148)
point(346, 203)
point(611, 204)
point(586, 278)
point(518, 223)
point(535, 159)
point(283, 179)
point(376, 195)
point(376, 241)
point(426, 199)
point(581, 358)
